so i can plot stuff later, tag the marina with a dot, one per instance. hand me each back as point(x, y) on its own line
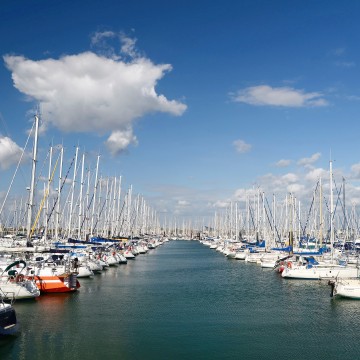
point(185, 300)
point(179, 180)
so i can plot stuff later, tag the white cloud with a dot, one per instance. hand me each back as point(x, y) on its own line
point(300, 184)
point(290, 178)
point(296, 188)
point(120, 140)
point(183, 203)
point(128, 45)
point(102, 42)
point(282, 96)
point(91, 93)
point(10, 152)
point(315, 174)
point(355, 171)
point(310, 160)
point(221, 204)
point(244, 194)
point(283, 163)
point(241, 146)
point(100, 38)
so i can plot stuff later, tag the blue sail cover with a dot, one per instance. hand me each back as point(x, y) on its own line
point(289, 249)
point(285, 249)
point(311, 260)
point(260, 243)
point(98, 239)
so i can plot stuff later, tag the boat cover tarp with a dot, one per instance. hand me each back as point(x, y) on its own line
point(15, 263)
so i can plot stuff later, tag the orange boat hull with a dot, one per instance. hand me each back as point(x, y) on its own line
point(55, 284)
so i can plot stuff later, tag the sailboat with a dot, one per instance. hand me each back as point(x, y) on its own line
point(347, 288)
point(45, 279)
point(317, 270)
point(14, 285)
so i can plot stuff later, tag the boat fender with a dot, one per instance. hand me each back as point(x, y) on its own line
point(289, 265)
point(20, 278)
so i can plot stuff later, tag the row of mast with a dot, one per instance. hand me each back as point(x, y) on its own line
point(92, 207)
point(281, 220)
point(100, 207)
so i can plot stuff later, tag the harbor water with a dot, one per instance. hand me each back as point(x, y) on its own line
point(184, 300)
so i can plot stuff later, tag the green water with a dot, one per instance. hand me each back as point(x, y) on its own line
point(186, 301)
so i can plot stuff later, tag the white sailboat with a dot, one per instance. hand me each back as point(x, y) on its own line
point(14, 285)
point(317, 271)
point(347, 288)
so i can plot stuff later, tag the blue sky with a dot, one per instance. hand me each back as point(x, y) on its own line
point(192, 102)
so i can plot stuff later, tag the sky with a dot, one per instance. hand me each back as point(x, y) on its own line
point(194, 103)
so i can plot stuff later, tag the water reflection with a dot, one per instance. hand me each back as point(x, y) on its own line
point(185, 301)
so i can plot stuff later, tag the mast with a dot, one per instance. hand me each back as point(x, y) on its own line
point(345, 228)
point(118, 211)
point(57, 212)
point(80, 213)
point(236, 222)
point(72, 192)
point(86, 209)
point(299, 223)
point(98, 209)
point(321, 216)
point(291, 235)
point(263, 216)
point(113, 209)
point(274, 220)
point(94, 202)
point(331, 213)
point(47, 199)
point(32, 185)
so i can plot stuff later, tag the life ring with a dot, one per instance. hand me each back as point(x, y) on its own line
point(20, 278)
point(289, 265)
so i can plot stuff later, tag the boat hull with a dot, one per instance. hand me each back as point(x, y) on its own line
point(17, 291)
point(56, 284)
point(317, 273)
point(8, 321)
point(347, 289)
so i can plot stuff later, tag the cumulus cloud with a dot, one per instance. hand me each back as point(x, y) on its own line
point(281, 96)
point(183, 203)
point(10, 152)
point(241, 146)
point(355, 171)
point(221, 204)
point(315, 174)
point(283, 163)
point(290, 178)
point(95, 93)
point(295, 188)
point(243, 194)
point(299, 184)
point(310, 160)
point(120, 140)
